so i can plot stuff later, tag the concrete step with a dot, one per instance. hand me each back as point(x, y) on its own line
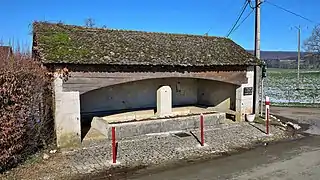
point(130, 129)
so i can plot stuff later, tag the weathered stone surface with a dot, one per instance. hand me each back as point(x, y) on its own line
point(66, 115)
point(244, 102)
point(87, 81)
point(101, 125)
point(164, 101)
point(67, 119)
point(131, 129)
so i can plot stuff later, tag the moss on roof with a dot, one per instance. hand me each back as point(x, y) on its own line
point(59, 43)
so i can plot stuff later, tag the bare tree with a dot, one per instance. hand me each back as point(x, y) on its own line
point(89, 22)
point(312, 45)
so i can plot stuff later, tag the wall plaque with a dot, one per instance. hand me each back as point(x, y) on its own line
point(247, 91)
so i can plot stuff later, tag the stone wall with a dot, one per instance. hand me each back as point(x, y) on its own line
point(88, 81)
point(92, 92)
point(142, 94)
point(247, 100)
point(138, 94)
point(219, 94)
point(244, 99)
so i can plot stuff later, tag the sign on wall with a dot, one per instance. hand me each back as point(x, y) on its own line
point(247, 91)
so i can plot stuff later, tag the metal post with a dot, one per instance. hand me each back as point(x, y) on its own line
point(114, 150)
point(257, 55)
point(299, 29)
point(201, 130)
point(267, 121)
point(261, 102)
point(267, 116)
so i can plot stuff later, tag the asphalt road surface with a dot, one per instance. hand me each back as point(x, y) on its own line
point(288, 160)
point(296, 160)
point(307, 116)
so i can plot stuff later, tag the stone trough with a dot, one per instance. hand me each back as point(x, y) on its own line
point(136, 128)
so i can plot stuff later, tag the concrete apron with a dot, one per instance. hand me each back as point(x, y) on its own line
point(130, 129)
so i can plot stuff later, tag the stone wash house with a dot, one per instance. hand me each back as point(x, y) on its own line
point(113, 71)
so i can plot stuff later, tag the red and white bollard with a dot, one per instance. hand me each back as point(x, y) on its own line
point(201, 130)
point(114, 148)
point(267, 116)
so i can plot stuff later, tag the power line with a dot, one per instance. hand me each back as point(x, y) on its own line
point(250, 4)
point(239, 17)
point(242, 10)
point(282, 8)
point(252, 9)
point(243, 21)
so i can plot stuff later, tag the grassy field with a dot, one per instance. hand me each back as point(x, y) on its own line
point(282, 86)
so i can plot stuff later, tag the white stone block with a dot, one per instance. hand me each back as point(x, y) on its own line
point(67, 119)
point(101, 125)
point(164, 101)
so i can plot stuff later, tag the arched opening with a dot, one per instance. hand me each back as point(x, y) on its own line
point(142, 95)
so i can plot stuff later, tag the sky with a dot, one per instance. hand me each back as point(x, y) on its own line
point(172, 16)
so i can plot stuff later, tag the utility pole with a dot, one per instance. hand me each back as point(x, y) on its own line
point(257, 55)
point(298, 74)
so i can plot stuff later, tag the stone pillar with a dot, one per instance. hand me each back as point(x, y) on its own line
point(164, 101)
point(66, 116)
point(239, 112)
point(244, 97)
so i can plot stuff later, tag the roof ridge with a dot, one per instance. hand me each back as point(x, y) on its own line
point(126, 30)
point(62, 43)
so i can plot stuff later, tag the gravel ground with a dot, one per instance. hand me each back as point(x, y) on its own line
point(148, 150)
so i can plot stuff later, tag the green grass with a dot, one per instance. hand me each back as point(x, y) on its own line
point(279, 70)
point(282, 86)
point(36, 158)
point(309, 105)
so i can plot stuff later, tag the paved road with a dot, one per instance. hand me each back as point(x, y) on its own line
point(299, 114)
point(298, 160)
point(307, 116)
point(290, 160)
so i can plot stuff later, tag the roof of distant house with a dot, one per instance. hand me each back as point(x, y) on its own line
point(5, 50)
point(60, 43)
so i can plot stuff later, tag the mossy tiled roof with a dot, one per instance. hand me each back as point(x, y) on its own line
point(60, 43)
